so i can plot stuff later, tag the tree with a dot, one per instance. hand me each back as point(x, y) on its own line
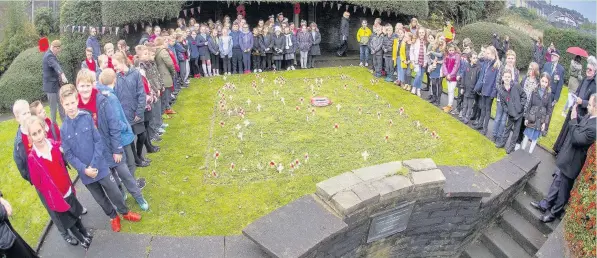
point(19, 34)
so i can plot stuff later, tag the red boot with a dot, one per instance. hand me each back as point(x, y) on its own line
point(115, 224)
point(131, 216)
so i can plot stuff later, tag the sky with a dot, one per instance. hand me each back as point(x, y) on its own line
point(587, 8)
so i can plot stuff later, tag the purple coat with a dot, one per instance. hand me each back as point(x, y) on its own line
point(245, 41)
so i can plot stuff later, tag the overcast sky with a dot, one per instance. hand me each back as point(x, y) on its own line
point(588, 8)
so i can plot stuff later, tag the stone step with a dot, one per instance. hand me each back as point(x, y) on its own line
point(538, 185)
point(521, 204)
point(476, 250)
point(501, 245)
point(522, 231)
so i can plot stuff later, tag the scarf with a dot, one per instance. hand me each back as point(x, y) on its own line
point(288, 41)
point(529, 86)
point(91, 105)
point(421, 52)
point(90, 65)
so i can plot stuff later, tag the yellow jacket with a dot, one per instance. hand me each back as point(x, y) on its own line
point(449, 32)
point(395, 50)
point(403, 53)
point(366, 32)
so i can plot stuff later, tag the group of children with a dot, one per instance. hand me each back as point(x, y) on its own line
point(225, 47)
point(524, 106)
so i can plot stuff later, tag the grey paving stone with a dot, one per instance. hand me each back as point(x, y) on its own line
point(524, 160)
point(465, 182)
point(242, 247)
point(187, 247)
point(346, 202)
point(111, 244)
point(554, 246)
point(428, 178)
point(326, 189)
point(54, 246)
point(294, 230)
point(419, 164)
point(397, 185)
point(366, 193)
point(503, 173)
point(378, 171)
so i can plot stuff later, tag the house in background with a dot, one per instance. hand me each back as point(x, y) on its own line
point(559, 17)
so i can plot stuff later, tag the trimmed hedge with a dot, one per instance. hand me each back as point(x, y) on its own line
point(23, 79)
point(19, 34)
point(481, 33)
point(565, 38)
point(419, 9)
point(45, 21)
point(124, 12)
point(73, 44)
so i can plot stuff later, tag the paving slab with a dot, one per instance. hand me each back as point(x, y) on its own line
point(187, 247)
point(54, 246)
point(539, 184)
point(419, 164)
point(524, 160)
point(503, 173)
point(465, 182)
point(378, 171)
point(242, 247)
point(554, 246)
point(428, 178)
point(296, 229)
point(111, 244)
point(328, 188)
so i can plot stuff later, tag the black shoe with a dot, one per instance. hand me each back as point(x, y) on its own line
point(477, 126)
point(141, 183)
point(425, 89)
point(153, 150)
point(88, 237)
point(547, 218)
point(430, 98)
point(537, 205)
point(500, 144)
point(86, 244)
point(143, 163)
point(483, 132)
point(71, 240)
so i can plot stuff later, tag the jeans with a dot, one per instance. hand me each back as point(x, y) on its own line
point(106, 193)
point(377, 64)
point(237, 60)
point(499, 120)
point(364, 53)
point(304, 58)
point(247, 61)
point(399, 69)
point(419, 78)
point(388, 66)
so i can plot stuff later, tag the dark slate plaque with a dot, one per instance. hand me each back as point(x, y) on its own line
point(390, 222)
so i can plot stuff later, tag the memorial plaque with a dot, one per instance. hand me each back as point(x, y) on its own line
point(390, 222)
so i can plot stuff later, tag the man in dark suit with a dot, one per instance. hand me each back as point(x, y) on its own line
point(52, 76)
point(556, 71)
point(569, 162)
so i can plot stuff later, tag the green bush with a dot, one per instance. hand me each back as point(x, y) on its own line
point(125, 12)
point(23, 79)
point(565, 38)
point(419, 9)
point(19, 34)
point(45, 21)
point(481, 33)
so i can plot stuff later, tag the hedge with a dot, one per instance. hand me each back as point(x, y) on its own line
point(418, 9)
point(19, 34)
point(23, 79)
point(45, 21)
point(124, 12)
point(481, 33)
point(579, 227)
point(565, 38)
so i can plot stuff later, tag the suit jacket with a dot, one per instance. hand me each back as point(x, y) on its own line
point(584, 91)
point(556, 85)
point(51, 71)
point(574, 150)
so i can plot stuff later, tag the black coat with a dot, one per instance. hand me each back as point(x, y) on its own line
point(574, 150)
point(542, 108)
point(7, 237)
point(513, 100)
point(51, 71)
point(471, 74)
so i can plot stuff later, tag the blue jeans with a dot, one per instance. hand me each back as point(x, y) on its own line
point(247, 61)
point(364, 53)
point(399, 69)
point(419, 78)
point(499, 121)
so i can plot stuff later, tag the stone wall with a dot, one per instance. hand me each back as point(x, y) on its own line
point(399, 209)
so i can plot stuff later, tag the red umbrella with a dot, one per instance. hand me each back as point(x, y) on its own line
point(577, 51)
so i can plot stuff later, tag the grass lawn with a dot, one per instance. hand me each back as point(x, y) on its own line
point(187, 198)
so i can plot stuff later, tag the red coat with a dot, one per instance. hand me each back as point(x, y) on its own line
point(43, 182)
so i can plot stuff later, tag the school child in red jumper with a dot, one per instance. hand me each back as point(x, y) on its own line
point(51, 179)
point(82, 145)
point(37, 109)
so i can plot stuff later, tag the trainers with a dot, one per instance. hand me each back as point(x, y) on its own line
point(141, 183)
point(361, 64)
point(125, 196)
point(143, 204)
point(293, 67)
point(366, 64)
point(84, 211)
point(71, 240)
point(116, 224)
point(132, 216)
point(161, 130)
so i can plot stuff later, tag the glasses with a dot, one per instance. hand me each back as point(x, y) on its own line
point(590, 69)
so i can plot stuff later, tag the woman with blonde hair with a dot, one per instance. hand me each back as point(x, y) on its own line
point(490, 66)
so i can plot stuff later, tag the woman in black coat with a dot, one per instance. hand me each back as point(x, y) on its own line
point(537, 113)
point(583, 93)
point(11, 243)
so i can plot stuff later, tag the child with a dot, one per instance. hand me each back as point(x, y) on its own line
point(278, 46)
point(469, 78)
point(436, 60)
point(388, 46)
point(450, 70)
point(375, 45)
point(181, 56)
point(513, 99)
point(52, 130)
point(245, 40)
point(151, 74)
point(214, 52)
point(257, 49)
point(167, 68)
point(289, 48)
point(268, 48)
point(202, 42)
point(226, 50)
point(397, 56)
point(89, 62)
point(109, 52)
point(418, 51)
point(109, 127)
point(305, 41)
point(83, 150)
point(486, 87)
point(51, 179)
point(237, 53)
point(193, 49)
point(315, 49)
point(363, 36)
point(500, 114)
point(537, 115)
point(405, 62)
point(464, 64)
point(133, 98)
